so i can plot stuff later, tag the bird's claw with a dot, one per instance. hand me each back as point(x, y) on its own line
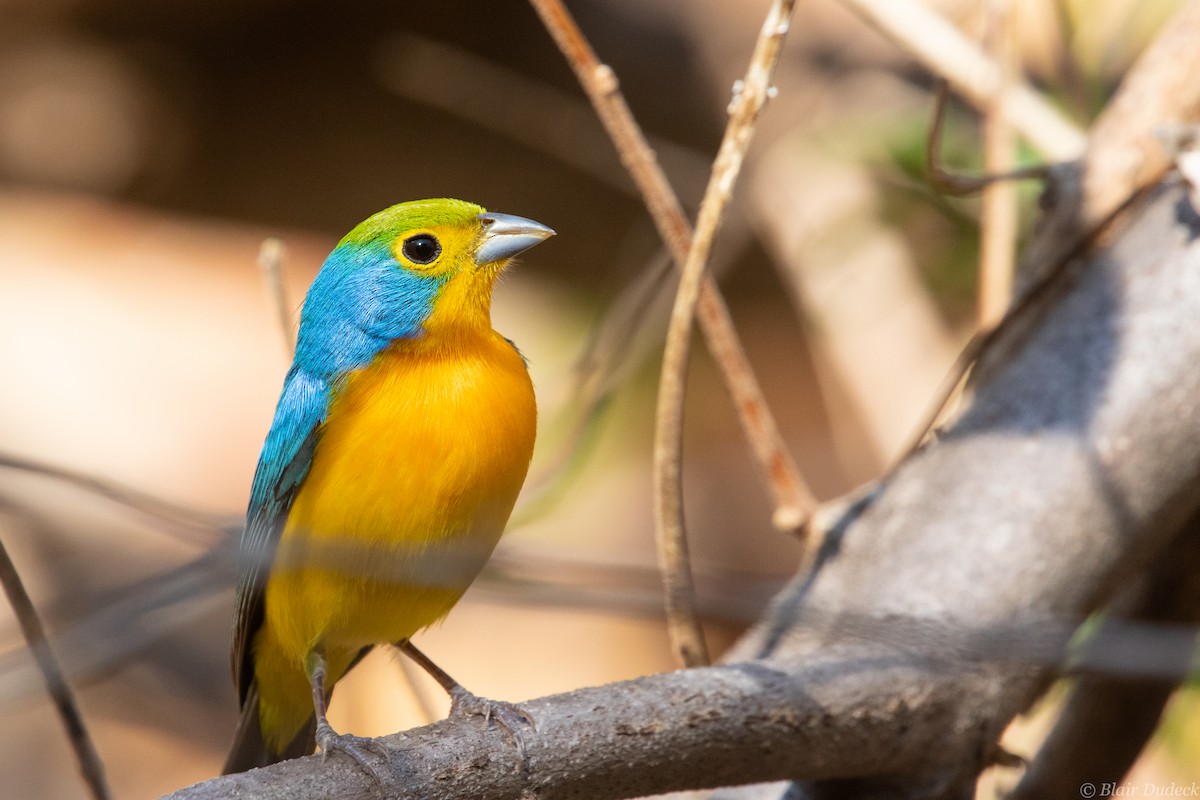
point(512, 718)
point(328, 740)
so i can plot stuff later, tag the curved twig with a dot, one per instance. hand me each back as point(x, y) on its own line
point(750, 97)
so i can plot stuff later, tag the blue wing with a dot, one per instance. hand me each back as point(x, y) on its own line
point(285, 460)
point(360, 302)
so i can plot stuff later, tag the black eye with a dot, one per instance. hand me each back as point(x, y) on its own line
point(421, 249)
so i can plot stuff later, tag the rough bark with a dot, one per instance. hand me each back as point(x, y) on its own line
point(1113, 711)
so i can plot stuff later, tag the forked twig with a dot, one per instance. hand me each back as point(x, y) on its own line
point(1125, 153)
point(750, 97)
point(1123, 159)
point(792, 499)
point(957, 184)
point(90, 764)
point(944, 50)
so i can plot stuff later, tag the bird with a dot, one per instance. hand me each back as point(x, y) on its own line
point(401, 439)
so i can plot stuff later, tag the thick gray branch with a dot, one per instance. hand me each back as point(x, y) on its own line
point(1110, 717)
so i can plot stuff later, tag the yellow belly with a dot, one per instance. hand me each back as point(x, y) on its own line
point(412, 482)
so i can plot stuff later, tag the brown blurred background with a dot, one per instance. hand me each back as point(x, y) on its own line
point(147, 149)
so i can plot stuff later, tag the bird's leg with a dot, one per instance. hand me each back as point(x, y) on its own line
point(462, 703)
point(327, 738)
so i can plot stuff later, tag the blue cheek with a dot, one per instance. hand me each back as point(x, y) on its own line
point(359, 302)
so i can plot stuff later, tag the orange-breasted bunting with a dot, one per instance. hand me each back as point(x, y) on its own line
point(401, 439)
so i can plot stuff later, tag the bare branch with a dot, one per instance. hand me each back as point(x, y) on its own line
point(957, 184)
point(1109, 718)
point(1124, 154)
point(945, 51)
point(687, 637)
point(90, 765)
point(270, 259)
point(792, 498)
point(1118, 335)
point(998, 211)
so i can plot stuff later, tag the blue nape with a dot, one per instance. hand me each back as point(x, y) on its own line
point(360, 301)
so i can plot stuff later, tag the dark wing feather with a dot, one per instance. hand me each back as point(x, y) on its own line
point(282, 467)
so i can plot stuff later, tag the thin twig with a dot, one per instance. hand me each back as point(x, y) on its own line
point(792, 499)
point(750, 96)
point(56, 681)
point(957, 184)
point(412, 681)
point(529, 111)
point(998, 211)
point(1125, 153)
point(270, 259)
point(184, 523)
point(944, 50)
point(1124, 157)
point(609, 352)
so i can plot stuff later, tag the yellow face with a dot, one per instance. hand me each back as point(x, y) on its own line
point(438, 250)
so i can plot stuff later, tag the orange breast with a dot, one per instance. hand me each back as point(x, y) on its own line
point(412, 482)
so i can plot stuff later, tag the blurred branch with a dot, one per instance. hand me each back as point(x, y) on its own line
point(776, 466)
point(998, 210)
point(957, 184)
point(270, 259)
point(57, 685)
point(1125, 155)
point(183, 523)
point(1109, 718)
point(750, 97)
point(531, 112)
point(947, 52)
point(879, 343)
point(609, 355)
point(1124, 152)
point(112, 633)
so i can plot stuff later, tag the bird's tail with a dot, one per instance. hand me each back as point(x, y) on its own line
point(250, 750)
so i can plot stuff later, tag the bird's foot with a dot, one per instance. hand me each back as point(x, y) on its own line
point(512, 718)
point(329, 740)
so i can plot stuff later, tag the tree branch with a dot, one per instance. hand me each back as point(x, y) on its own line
point(1108, 719)
point(945, 51)
point(65, 702)
point(1125, 152)
point(998, 212)
point(271, 257)
point(792, 497)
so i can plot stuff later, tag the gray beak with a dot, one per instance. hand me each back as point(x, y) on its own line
point(505, 235)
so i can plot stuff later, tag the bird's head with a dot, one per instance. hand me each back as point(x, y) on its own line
point(425, 268)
